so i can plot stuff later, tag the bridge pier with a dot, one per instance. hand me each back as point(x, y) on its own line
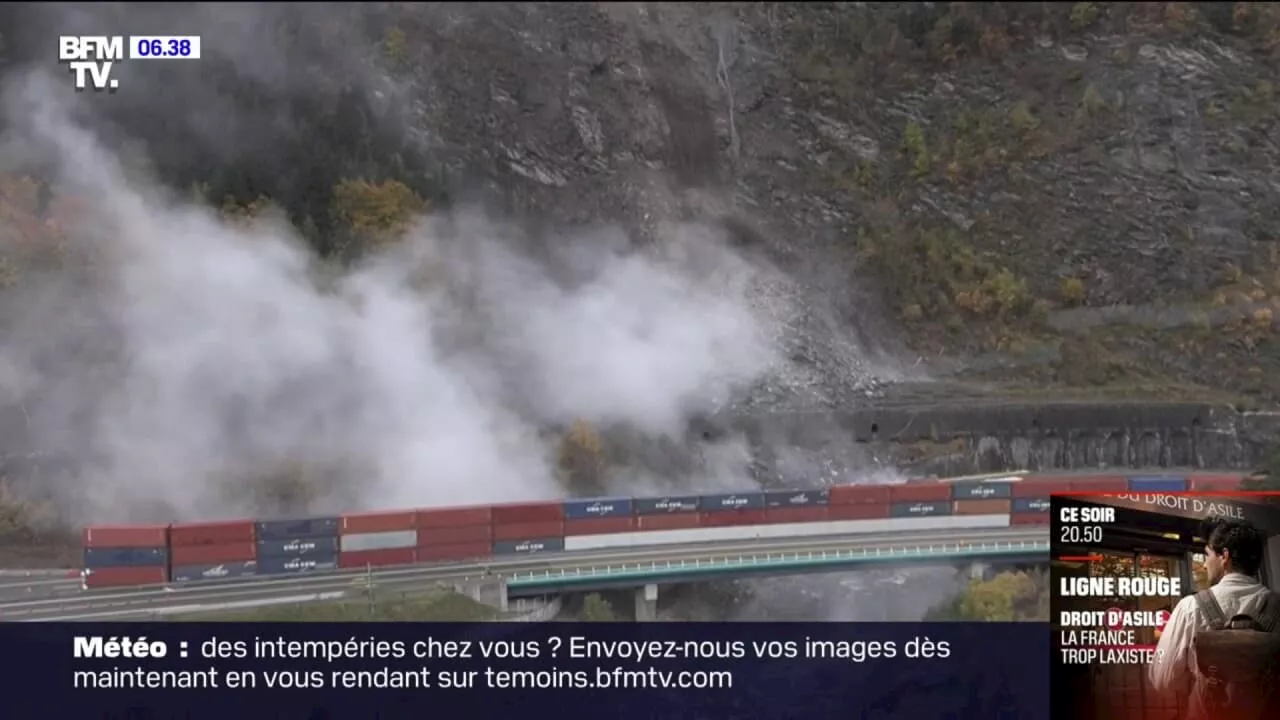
point(647, 603)
point(980, 571)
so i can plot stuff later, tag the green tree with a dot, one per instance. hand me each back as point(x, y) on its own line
point(1007, 597)
point(596, 609)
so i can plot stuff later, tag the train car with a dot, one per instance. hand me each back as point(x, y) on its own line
point(194, 552)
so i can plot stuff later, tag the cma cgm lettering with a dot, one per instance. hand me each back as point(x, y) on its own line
point(298, 546)
point(732, 501)
point(981, 491)
point(1036, 505)
point(919, 509)
point(796, 498)
point(286, 565)
point(668, 504)
point(597, 508)
point(524, 547)
point(219, 571)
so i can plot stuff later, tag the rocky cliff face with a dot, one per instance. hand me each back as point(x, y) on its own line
point(989, 175)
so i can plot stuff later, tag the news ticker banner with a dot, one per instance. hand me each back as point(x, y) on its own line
point(971, 671)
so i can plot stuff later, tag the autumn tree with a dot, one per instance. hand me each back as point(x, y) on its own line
point(371, 214)
point(1007, 597)
point(582, 460)
point(257, 209)
point(20, 518)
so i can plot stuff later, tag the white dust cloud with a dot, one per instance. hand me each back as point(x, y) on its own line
point(192, 351)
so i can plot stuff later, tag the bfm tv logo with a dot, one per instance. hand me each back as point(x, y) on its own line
point(90, 58)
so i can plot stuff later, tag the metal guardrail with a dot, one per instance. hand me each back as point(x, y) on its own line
point(735, 561)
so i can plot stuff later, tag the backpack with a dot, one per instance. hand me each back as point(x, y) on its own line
point(1237, 662)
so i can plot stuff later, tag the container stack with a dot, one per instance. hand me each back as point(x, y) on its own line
point(378, 539)
point(213, 551)
point(1105, 484)
point(1157, 483)
point(858, 502)
point(450, 534)
point(733, 509)
point(126, 556)
point(913, 500)
point(794, 506)
point(982, 498)
point(524, 528)
point(674, 512)
point(598, 516)
point(1215, 483)
point(297, 546)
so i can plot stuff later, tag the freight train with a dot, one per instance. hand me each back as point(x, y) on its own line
point(116, 556)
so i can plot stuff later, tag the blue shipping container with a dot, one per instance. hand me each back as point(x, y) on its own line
point(796, 498)
point(669, 504)
point(920, 509)
point(981, 491)
point(305, 527)
point(524, 547)
point(1031, 505)
point(221, 571)
point(597, 508)
point(125, 557)
point(296, 547)
point(286, 565)
point(732, 501)
point(1158, 483)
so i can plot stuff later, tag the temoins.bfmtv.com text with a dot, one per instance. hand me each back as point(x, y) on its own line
point(94, 59)
point(124, 662)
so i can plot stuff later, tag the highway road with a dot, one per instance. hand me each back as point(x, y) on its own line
point(29, 584)
point(155, 602)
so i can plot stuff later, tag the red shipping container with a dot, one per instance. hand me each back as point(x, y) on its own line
point(528, 513)
point(524, 531)
point(125, 536)
point(599, 526)
point(992, 506)
point(453, 517)
point(731, 518)
point(919, 492)
point(379, 522)
point(1041, 518)
point(377, 558)
point(857, 512)
point(672, 521)
point(126, 576)
point(1207, 483)
point(213, 554)
point(454, 535)
point(457, 551)
point(1039, 486)
point(212, 533)
point(860, 495)
point(815, 513)
point(1101, 483)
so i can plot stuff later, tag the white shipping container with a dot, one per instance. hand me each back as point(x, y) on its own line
point(379, 541)
point(782, 530)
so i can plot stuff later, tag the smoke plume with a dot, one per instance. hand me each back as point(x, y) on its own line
point(187, 356)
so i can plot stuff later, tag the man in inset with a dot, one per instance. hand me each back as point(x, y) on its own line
point(1220, 650)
